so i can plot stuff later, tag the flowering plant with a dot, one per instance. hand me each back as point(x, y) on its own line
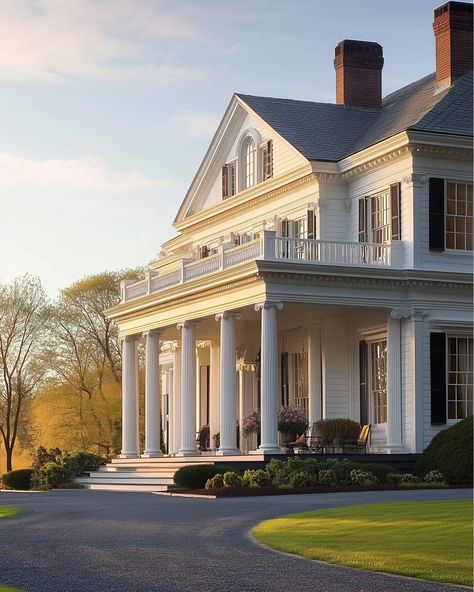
point(251, 423)
point(292, 419)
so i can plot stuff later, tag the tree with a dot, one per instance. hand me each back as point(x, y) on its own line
point(24, 318)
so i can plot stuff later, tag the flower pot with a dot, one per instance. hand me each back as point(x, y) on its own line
point(287, 437)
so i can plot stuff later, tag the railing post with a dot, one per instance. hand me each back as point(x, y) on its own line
point(269, 252)
point(220, 252)
point(183, 270)
point(148, 282)
point(396, 254)
point(123, 289)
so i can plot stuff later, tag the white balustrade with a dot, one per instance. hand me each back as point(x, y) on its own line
point(271, 247)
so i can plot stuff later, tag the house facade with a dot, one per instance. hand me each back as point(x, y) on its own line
point(323, 259)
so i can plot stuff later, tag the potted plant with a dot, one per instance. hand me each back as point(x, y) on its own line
point(251, 423)
point(292, 422)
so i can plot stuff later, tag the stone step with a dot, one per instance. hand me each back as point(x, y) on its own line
point(165, 479)
point(123, 487)
point(125, 480)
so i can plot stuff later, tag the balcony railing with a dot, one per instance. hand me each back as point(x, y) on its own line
point(268, 247)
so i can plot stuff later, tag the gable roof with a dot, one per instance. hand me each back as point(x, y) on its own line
point(329, 132)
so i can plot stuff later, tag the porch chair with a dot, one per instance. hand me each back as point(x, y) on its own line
point(307, 442)
point(360, 446)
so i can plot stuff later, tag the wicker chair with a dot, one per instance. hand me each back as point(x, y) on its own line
point(308, 442)
point(359, 446)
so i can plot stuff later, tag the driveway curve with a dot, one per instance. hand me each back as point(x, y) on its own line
point(99, 541)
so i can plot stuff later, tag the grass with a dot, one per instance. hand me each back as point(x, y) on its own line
point(429, 540)
point(7, 512)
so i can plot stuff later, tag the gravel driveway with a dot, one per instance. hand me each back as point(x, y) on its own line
point(99, 541)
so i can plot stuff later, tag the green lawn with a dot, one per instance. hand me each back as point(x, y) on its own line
point(429, 540)
point(6, 512)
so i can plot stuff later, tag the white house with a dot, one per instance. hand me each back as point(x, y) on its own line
point(323, 258)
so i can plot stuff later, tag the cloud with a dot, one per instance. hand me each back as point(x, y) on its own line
point(87, 173)
point(195, 124)
point(54, 40)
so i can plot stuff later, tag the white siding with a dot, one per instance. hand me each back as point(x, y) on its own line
point(336, 375)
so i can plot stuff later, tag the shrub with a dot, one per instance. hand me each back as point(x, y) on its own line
point(195, 476)
point(255, 478)
point(328, 477)
point(423, 485)
point(50, 475)
point(215, 482)
point(434, 477)
point(359, 477)
point(44, 455)
point(394, 478)
point(232, 479)
point(409, 478)
point(81, 461)
point(341, 429)
point(19, 479)
point(302, 479)
point(450, 452)
point(342, 470)
point(379, 470)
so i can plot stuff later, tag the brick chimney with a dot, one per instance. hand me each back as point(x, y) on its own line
point(453, 34)
point(358, 67)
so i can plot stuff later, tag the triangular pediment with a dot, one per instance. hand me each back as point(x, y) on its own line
point(239, 120)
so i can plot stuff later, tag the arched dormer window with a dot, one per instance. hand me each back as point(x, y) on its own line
point(249, 154)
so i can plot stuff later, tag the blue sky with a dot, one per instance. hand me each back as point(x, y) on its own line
point(107, 107)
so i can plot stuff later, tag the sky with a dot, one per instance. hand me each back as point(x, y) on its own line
point(108, 106)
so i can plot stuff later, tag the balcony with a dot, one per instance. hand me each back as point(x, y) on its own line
point(268, 247)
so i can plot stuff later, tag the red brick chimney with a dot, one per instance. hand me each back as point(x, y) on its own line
point(453, 34)
point(358, 67)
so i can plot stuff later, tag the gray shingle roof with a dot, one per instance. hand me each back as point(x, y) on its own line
point(328, 132)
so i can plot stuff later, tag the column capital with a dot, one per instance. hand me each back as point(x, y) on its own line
point(152, 333)
point(269, 304)
point(130, 338)
point(413, 314)
point(228, 315)
point(187, 325)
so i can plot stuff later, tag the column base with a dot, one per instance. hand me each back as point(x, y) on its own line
point(270, 450)
point(190, 452)
point(152, 454)
point(129, 455)
point(228, 452)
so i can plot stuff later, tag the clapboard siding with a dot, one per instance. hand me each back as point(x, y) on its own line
point(336, 367)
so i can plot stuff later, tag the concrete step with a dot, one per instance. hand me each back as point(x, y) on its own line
point(124, 487)
point(126, 480)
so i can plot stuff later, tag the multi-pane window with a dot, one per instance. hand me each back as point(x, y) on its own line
point(300, 380)
point(228, 180)
point(458, 216)
point(460, 377)
point(249, 168)
point(378, 379)
point(380, 218)
point(267, 161)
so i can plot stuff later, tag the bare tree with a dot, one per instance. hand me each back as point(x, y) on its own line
point(24, 316)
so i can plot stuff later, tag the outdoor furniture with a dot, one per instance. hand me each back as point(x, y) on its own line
point(204, 438)
point(359, 446)
point(308, 442)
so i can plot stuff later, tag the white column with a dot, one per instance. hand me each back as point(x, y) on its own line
point(175, 402)
point(188, 389)
point(130, 446)
point(214, 357)
point(314, 373)
point(243, 445)
point(228, 384)
point(416, 322)
point(152, 395)
point(394, 384)
point(269, 378)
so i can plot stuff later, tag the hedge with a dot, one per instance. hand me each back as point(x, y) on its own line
point(450, 452)
point(195, 476)
point(19, 479)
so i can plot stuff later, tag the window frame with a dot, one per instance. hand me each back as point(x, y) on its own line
point(450, 336)
point(455, 216)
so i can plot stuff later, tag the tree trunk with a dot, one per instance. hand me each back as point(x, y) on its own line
point(9, 452)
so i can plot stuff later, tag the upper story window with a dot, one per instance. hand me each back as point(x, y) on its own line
point(458, 216)
point(249, 163)
point(228, 180)
point(379, 216)
point(267, 160)
point(450, 215)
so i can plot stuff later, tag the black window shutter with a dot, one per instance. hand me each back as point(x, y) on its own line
point(269, 167)
point(225, 185)
point(395, 203)
point(363, 220)
point(311, 224)
point(436, 216)
point(438, 377)
point(231, 179)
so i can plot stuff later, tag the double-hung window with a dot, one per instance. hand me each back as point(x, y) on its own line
point(378, 380)
point(228, 180)
point(460, 377)
point(458, 216)
point(249, 163)
point(379, 216)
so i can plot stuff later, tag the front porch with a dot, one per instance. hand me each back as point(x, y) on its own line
point(331, 361)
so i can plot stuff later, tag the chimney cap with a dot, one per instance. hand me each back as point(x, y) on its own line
point(361, 54)
point(454, 8)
